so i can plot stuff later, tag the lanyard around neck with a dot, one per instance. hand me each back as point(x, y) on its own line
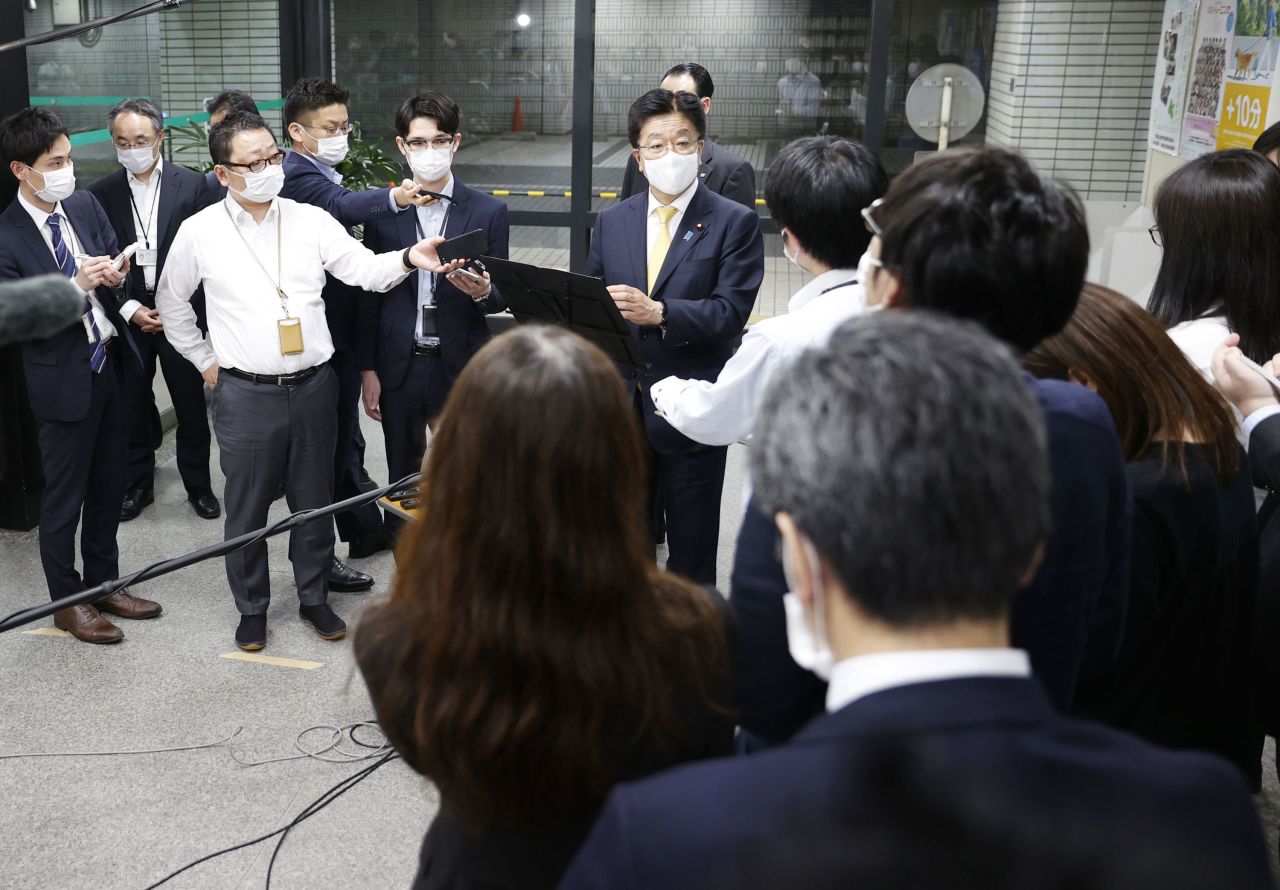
point(417, 225)
point(152, 213)
point(284, 298)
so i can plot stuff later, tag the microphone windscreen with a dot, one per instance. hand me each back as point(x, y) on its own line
point(35, 308)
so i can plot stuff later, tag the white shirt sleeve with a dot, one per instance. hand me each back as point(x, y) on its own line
point(724, 411)
point(348, 260)
point(127, 310)
point(179, 281)
point(1253, 420)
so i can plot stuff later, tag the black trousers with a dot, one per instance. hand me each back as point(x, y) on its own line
point(408, 410)
point(348, 454)
point(83, 463)
point(187, 389)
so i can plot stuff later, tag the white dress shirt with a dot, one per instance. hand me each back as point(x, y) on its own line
point(724, 411)
point(681, 203)
point(431, 222)
point(145, 208)
point(243, 307)
point(106, 330)
point(856, 678)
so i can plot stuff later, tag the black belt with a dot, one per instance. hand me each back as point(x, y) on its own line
point(276, 379)
point(426, 349)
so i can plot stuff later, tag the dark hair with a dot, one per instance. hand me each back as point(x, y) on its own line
point(312, 94)
point(221, 136)
point(659, 102)
point(24, 136)
point(437, 106)
point(1268, 140)
point(232, 100)
point(815, 188)
point(978, 233)
point(911, 453)
point(145, 107)
point(701, 77)
point(542, 631)
point(1218, 217)
point(1155, 394)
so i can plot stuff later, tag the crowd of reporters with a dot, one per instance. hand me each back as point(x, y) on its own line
point(1002, 613)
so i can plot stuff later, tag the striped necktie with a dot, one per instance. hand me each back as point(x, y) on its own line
point(67, 263)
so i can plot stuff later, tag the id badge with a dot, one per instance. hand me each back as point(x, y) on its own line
point(146, 257)
point(429, 328)
point(290, 336)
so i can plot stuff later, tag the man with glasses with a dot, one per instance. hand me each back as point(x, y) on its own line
point(315, 113)
point(146, 201)
point(683, 266)
point(262, 260)
point(414, 342)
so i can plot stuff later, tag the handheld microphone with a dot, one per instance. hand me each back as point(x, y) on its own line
point(35, 308)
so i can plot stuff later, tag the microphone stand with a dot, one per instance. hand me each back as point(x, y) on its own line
point(73, 30)
point(93, 594)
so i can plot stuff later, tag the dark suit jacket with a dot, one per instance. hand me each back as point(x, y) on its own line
point(183, 193)
point(981, 744)
point(709, 282)
point(524, 857)
point(57, 368)
point(388, 321)
point(306, 183)
point(1070, 618)
point(722, 171)
point(1264, 462)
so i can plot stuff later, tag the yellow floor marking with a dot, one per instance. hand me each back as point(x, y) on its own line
point(271, 659)
point(47, 632)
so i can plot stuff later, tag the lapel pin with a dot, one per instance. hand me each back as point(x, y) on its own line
point(698, 226)
point(688, 235)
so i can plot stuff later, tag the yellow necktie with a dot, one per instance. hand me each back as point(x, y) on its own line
point(661, 244)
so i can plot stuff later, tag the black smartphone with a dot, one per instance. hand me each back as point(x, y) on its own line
point(464, 247)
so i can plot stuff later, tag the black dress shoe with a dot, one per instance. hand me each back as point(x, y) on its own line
point(134, 500)
point(251, 635)
point(206, 505)
point(345, 579)
point(367, 545)
point(323, 621)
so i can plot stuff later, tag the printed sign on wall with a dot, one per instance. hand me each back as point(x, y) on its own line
point(1214, 35)
point(1250, 67)
point(1170, 88)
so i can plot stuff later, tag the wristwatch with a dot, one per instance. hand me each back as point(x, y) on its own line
point(404, 260)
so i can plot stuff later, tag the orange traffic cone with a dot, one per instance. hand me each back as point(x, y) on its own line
point(517, 118)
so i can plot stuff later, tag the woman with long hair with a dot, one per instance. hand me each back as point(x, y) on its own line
point(1217, 218)
point(1184, 676)
point(531, 655)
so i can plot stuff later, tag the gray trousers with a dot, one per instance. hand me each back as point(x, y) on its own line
point(268, 433)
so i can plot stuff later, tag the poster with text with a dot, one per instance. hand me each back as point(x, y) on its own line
point(1208, 77)
point(1170, 87)
point(1250, 67)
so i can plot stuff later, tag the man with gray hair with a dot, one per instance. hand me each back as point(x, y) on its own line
point(146, 201)
point(905, 466)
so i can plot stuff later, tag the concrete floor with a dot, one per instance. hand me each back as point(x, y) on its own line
point(127, 821)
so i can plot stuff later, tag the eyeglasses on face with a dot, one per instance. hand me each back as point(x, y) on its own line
point(259, 165)
point(437, 142)
point(342, 130)
point(869, 215)
point(655, 149)
point(1156, 238)
point(140, 142)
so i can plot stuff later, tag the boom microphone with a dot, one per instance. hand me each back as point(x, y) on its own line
point(35, 308)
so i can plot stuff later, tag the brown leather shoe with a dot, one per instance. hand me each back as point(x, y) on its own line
point(126, 605)
point(85, 624)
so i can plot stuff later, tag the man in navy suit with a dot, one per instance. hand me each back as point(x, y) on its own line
point(415, 340)
point(980, 235)
point(315, 113)
point(905, 466)
point(219, 107)
point(146, 200)
point(683, 265)
point(75, 379)
point(722, 170)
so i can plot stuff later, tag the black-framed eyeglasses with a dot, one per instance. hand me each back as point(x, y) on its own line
point(438, 142)
point(869, 217)
point(1156, 238)
point(261, 164)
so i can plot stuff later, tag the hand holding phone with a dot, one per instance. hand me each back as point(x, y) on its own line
point(118, 262)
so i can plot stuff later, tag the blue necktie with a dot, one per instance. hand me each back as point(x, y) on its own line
point(67, 263)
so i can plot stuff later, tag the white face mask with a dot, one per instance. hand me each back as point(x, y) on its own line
point(58, 184)
point(137, 160)
point(807, 637)
point(332, 150)
point(263, 186)
point(430, 164)
point(795, 258)
point(672, 173)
